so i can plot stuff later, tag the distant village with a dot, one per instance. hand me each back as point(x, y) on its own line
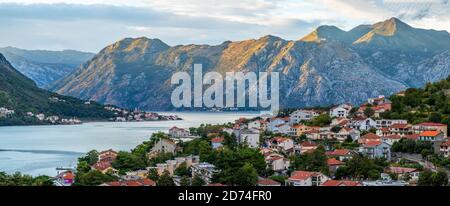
point(121, 115)
point(295, 140)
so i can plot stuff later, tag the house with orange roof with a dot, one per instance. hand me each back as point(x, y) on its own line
point(430, 126)
point(368, 138)
point(413, 173)
point(299, 129)
point(277, 162)
point(103, 167)
point(217, 142)
point(434, 135)
point(348, 132)
point(107, 155)
point(281, 144)
point(312, 134)
point(334, 164)
point(306, 178)
point(307, 147)
point(335, 183)
point(445, 149)
point(341, 154)
point(376, 149)
point(177, 132)
point(391, 139)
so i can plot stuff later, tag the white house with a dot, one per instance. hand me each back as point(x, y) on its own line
point(249, 137)
point(340, 111)
point(277, 162)
point(348, 132)
point(274, 122)
point(283, 129)
point(164, 145)
point(256, 124)
point(217, 142)
point(376, 149)
point(281, 144)
point(204, 170)
point(362, 123)
point(305, 178)
point(178, 132)
point(302, 115)
point(383, 123)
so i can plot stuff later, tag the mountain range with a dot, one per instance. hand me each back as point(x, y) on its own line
point(327, 66)
point(21, 94)
point(45, 67)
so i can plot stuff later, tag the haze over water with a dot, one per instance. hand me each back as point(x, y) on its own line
point(39, 150)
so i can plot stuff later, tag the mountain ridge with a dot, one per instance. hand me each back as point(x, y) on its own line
point(136, 72)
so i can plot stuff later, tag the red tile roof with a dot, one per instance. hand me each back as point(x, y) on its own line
point(334, 162)
point(308, 144)
point(101, 165)
point(401, 170)
point(217, 140)
point(370, 136)
point(446, 143)
point(430, 133)
point(268, 182)
point(303, 175)
point(141, 182)
point(341, 183)
point(339, 152)
point(215, 184)
point(431, 124)
point(372, 143)
point(392, 137)
point(400, 126)
point(412, 136)
point(69, 176)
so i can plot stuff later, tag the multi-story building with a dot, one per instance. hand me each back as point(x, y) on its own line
point(204, 170)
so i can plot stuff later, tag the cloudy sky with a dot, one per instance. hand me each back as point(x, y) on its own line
point(90, 25)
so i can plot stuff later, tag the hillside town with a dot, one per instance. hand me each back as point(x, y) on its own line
point(120, 115)
point(341, 146)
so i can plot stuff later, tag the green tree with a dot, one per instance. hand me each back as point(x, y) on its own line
point(315, 161)
point(368, 112)
point(126, 161)
point(165, 179)
point(425, 178)
point(183, 170)
point(92, 178)
point(185, 181)
point(197, 181)
point(153, 174)
point(439, 178)
point(83, 167)
point(91, 157)
point(246, 176)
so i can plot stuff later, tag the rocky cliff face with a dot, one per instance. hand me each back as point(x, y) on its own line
point(328, 66)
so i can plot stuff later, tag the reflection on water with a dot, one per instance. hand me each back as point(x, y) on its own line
point(40, 149)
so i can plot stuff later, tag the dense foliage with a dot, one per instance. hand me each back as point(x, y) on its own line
point(314, 161)
point(431, 103)
point(18, 179)
point(361, 167)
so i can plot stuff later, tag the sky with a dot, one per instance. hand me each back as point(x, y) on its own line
point(90, 25)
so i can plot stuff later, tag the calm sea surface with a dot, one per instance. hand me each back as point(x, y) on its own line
point(38, 150)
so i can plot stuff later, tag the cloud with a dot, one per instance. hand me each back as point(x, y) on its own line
point(92, 24)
